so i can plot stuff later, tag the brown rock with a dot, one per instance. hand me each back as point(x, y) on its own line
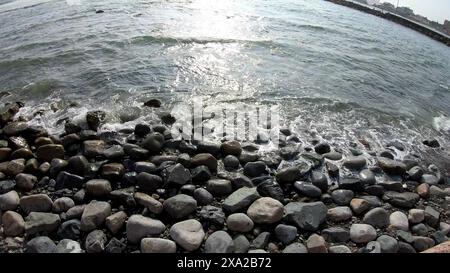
point(423, 190)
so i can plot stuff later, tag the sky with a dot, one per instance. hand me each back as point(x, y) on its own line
point(436, 10)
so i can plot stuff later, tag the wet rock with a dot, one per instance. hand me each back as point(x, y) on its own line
point(307, 189)
point(392, 185)
point(390, 166)
point(37, 222)
point(433, 143)
point(270, 188)
point(415, 173)
point(285, 233)
point(68, 181)
point(306, 216)
point(367, 177)
point(265, 210)
point(146, 167)
point(231, 148)
point(95, 118)
point(41, 244)
point(255, 169)
point(372, 247)
point(209, 147)
point(355, 162)
point(399, 220)
point(139, 227)
point(316, 244)
point(70, 229)
point(135, 152)
point(188, 234)
point(231, 162)
point(335, 156)
point(36, 202)
point(219, 187)
point(49, 152)
point(62, 204)
point(342, 197)
point(113, 171)
point(437, 192)
point(15, 128)
point(205, 159)
point(93, 148)
point(9, 201)
point(25, 181)
point(154, 143)
point(405, 200)
point(157, 245)
point(94, 215)
point(319, 180)
point(350, 183)
point(13, 224)
point(339, 214)
point(114, 152)
point(219, 242)
point(336, 235)
point(322, 148)
point(57, 165)
point(148, 182)
point(292, 174)
point(22, 153)
point(178, 175)
point(239, 222)
point(200, 174)
point(15, 167)
point(95, 241)
point(115, 221)
point(180, 206)
point(149, 202)
point(362, 233)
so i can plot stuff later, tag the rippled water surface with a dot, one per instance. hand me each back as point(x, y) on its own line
point(344, 74)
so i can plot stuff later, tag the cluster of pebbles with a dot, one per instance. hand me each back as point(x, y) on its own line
point(142, 191)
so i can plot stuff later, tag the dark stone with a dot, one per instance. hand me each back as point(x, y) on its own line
point(308, 190)
point(351, 183)
point(254, 169)
point(70, 230)
point(270, 188)
point(148, 182)
point(403, 200)
point(213, 215)
point(200, 174)
point(94, 119)
point(322, 148)
point(336, 235)
point(66, 180)
point(155, 103)
point(433, 143)
point(141, 130)
point(306, 216)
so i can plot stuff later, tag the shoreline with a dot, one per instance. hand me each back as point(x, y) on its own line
point(440, 37)
point(86, 192)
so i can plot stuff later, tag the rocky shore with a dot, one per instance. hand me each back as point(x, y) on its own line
point(84, 191)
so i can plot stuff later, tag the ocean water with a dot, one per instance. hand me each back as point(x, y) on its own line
point(335, 73)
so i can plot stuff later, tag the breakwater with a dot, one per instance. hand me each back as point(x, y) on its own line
point(397, 19)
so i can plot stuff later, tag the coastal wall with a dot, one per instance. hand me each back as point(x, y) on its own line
point(397, 19)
